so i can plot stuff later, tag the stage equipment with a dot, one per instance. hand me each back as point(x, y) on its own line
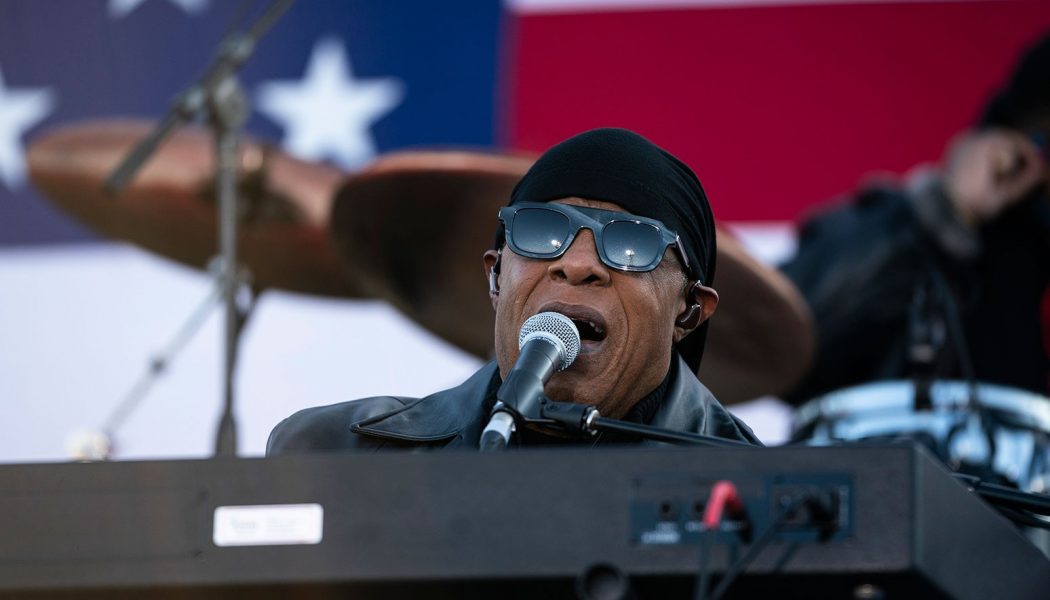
point(218, 98)
point(409, 229)
point(170, 207)
point(865, 522)
point(1010, 443)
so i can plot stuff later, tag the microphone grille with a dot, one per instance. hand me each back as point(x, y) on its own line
point(547, 324)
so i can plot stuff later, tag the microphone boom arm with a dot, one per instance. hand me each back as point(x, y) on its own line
point(586, 418)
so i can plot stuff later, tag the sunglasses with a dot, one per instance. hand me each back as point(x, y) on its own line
point(624, 241)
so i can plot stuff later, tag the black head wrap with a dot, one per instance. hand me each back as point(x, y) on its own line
point(1027, 92)
point(622, 167)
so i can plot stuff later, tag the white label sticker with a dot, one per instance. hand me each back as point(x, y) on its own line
point(268, 525)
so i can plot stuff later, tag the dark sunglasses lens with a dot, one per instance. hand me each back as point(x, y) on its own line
point(539, 231)
point(630, 244)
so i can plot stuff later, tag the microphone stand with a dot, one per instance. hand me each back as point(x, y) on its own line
point(587, 419)
point(218, 96)
point(1001, 494)
point(1029, 511)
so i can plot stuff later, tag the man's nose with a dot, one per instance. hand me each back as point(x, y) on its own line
point(580, 264)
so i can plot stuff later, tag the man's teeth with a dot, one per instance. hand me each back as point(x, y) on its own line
point(589, 330)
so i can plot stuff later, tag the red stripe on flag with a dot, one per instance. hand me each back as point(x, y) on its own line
point(775, 107)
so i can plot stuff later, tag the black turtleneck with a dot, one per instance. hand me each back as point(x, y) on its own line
point(645, 409)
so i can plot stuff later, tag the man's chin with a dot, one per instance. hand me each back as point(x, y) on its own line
point(573, 385)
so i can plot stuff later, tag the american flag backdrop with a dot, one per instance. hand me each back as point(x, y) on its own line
point(778, 105)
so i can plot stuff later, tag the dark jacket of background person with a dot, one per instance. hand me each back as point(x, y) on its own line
point(874, 267)
point(911, 282)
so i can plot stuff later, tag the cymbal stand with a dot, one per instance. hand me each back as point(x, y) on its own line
point(94, 447)
point(219, 97)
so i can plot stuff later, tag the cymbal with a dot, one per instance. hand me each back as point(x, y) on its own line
point(414, 226)
point(169, 207)
point(762, 337)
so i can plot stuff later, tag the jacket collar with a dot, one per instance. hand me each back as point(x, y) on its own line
point(684, 407)
point(457, 415)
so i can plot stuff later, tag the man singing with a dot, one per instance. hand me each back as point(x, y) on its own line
point(614, 233)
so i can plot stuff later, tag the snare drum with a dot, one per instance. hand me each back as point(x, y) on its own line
point(1008, 435)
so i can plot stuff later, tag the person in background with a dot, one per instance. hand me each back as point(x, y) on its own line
point(947, 275)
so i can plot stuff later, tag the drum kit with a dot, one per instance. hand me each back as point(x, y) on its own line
point(1004, 439)
point(410, 229)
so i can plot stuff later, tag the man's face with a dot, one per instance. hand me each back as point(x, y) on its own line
point(628, 353)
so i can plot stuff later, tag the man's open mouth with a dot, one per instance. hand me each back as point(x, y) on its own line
point(589, 322)
point(589, 330)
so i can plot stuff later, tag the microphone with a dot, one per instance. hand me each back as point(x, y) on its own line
point(548, 343)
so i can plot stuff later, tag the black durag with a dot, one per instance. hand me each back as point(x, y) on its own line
point(622, 167)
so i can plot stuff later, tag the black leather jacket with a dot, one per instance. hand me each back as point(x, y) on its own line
point(867, 267)
point(454, 418)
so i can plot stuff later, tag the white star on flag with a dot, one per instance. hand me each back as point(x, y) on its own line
point(20, 110)
point(121, 8)
point(328, 113)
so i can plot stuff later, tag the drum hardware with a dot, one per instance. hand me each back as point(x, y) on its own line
point(976, 450)
point(1008, 443)
point(934, 322)
point(971, 445)
point(927, 333)
point(283, 202)
point(218, 97)
point(282, 241)
point(93, 445)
